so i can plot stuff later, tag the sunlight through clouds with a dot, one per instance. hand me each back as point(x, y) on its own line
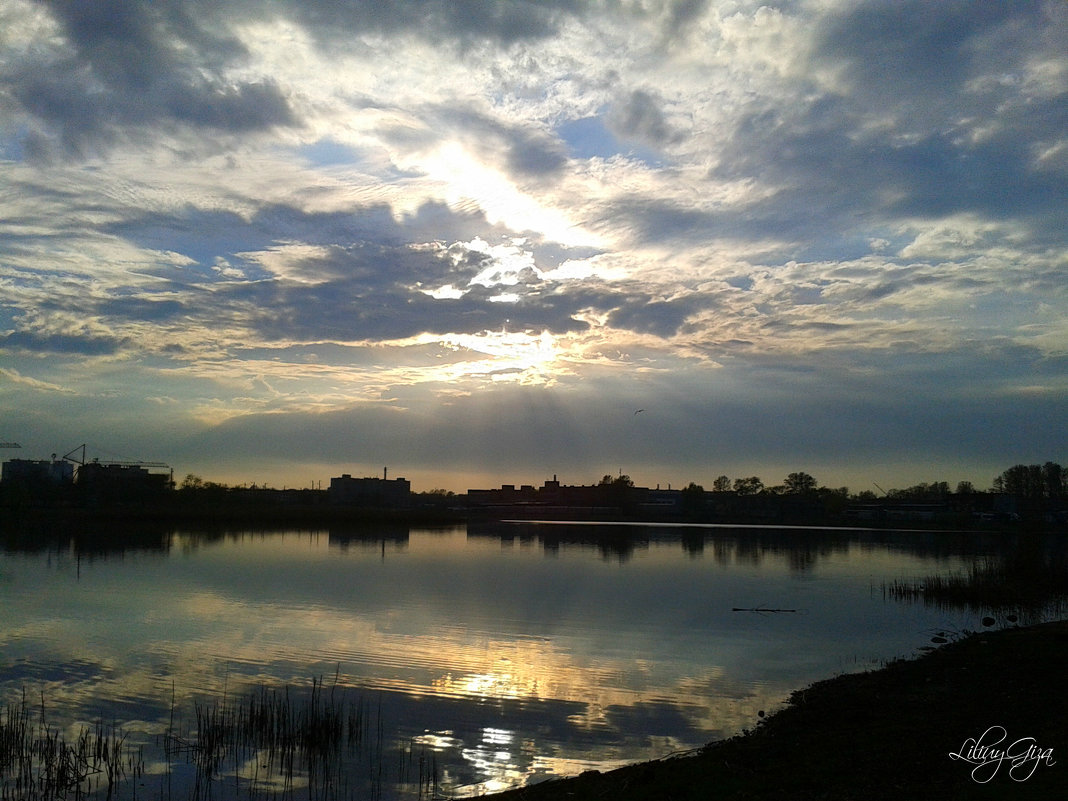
point(519, 357)
point(467, 179)
point(727, 193)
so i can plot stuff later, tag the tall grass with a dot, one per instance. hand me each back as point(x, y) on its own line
point(37, 763)
point(1031, 587)
point(317, 744)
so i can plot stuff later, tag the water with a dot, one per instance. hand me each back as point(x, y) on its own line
point(489, 657)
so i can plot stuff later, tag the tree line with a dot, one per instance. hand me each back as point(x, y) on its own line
point(1034, 482)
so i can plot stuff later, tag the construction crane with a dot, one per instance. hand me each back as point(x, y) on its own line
point(70, 457)
point(67, 456)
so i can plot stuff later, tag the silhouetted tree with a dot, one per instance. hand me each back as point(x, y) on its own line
point(191, 482)
point(1037, 489)
point(439, 493)
point(195, 489)
point(1023, 481)
point(693, 499)
point(1033, 482)
point(721, 484)
point(748, 486)
point(1053, 476)
point(436, 497)
point(935, 491)
point(799, 484)
point(618, 492)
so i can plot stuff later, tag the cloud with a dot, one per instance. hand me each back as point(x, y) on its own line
point(32, 383)
point(697, 424)
point(112, 71)
point(911, 54)
point(640, 117)
point(925, 115)
point(289, 211)
point(467, 22)
point(85, 345)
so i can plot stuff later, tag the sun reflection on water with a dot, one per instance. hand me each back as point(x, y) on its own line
point(493, 759)
point(506, 666)
point(488, 685)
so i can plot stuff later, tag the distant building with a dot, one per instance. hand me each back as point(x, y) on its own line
point(555, 500)
point(380, 493)
point(120, 483)
point(898, 511)
point(35, 473)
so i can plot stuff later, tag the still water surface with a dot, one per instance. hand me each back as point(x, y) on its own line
point(504, 654)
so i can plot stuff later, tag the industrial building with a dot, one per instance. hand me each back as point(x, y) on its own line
point(73, 480)
point(33, 472)
point(380, 493)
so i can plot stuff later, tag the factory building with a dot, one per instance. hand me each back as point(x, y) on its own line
point(37, 472)
point(380, 493)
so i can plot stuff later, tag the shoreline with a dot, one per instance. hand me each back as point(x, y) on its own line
point(881, 734)
point(285, 515)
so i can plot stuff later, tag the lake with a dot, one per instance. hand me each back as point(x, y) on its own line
point(465, 660)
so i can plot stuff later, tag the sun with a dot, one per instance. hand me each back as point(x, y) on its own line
point(467, 179)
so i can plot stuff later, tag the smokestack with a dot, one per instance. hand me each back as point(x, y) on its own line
point(385, 473)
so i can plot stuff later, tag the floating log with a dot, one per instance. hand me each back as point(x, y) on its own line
point(759, 609)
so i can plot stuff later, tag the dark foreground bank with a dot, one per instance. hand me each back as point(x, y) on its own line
point(885, 734)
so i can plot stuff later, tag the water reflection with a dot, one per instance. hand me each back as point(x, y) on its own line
point(501, 653)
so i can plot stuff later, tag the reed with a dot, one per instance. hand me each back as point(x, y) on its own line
point(38, 764)
point(1029, 589)
point(327, 740)
point(320, 743)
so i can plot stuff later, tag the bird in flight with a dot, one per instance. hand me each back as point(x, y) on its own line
point(639, 411)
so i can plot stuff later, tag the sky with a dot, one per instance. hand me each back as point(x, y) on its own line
point(468, 240)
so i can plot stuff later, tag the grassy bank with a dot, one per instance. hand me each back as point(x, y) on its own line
point(885, 734)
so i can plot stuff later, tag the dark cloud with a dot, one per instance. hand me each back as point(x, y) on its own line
point(650, 316)
point(639, 117)
point(200, 235)
point(778, 412)
point(368, 278)
point(936, 120)
point(127, 68)
point(70, 344)
point(463, 21)
point(206, 236)
point(682, 13)
point(655, 718)
point(530, 154)
point(130, 43)
point(143, 308)
point(922, 54)
point(358, 305)
point(790, 220)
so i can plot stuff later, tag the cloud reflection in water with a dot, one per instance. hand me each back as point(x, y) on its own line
point(511, 658)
